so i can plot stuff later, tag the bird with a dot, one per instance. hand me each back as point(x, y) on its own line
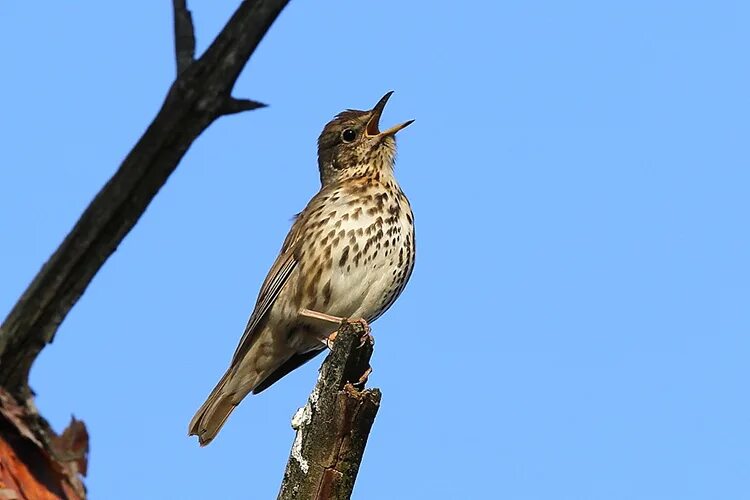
point(347, 257)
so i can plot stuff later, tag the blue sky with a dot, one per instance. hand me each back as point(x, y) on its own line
point(577, 323)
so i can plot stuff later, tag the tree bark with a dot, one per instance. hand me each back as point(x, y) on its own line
point(35, 462)
point(333, 427)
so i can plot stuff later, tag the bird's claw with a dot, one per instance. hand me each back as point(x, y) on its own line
point(330, 339)
point(360, 325)
point(360, 384)
point(364, 339)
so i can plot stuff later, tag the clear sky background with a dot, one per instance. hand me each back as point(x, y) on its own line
point(577, 323)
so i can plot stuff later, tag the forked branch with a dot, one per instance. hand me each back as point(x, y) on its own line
point(200, 94)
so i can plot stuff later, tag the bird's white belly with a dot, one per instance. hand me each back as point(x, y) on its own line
point(360, 291)
point(361, 286)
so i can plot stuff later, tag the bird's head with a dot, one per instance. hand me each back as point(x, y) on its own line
point(352, 145)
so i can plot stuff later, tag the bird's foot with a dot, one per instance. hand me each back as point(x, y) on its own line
point(330, 339)
point(365, 330)
point(360, 323)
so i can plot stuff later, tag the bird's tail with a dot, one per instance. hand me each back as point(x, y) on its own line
point(243, 376)
point(209, 419)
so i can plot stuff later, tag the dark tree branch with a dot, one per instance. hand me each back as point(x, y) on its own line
point(34, 461)
point(332, 428)
point(184, 36)
point(198, 96)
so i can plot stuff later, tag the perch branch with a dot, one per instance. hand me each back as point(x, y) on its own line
point(332, 428)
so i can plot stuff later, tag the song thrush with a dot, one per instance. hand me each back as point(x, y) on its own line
point(348, 254)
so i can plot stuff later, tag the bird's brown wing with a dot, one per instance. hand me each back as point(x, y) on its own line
point(277, 277)
point(291, 364)
point(279, 274)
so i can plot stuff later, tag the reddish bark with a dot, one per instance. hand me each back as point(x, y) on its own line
point(36, 463)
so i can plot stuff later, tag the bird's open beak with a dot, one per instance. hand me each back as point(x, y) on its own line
point(372, 128)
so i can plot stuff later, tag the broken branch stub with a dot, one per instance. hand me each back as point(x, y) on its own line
point(333, 427)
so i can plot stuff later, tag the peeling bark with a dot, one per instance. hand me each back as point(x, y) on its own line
point(35, 463)
point(333, 427)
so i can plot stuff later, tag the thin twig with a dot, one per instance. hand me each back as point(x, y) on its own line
point(184, 36)
point(233, 105)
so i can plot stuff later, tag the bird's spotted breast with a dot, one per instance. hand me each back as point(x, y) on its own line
point(359, 249)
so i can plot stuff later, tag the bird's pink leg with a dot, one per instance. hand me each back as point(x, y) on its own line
point(366, 330)
point(308, 313)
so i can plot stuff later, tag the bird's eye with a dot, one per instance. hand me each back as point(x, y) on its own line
point(348, 135)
